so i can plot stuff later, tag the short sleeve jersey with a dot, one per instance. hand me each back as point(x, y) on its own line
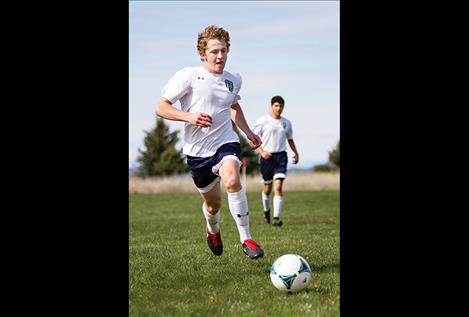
point(274, 133)
point(201, 91)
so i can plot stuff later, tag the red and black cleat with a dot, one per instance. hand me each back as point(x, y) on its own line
point(252, 249)
point(214, 242)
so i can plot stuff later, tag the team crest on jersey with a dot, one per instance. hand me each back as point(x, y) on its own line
point(284, 125)
point(229, 85)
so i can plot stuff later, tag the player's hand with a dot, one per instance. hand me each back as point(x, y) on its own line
point(296, 159)
point(254, 140)
point(266, 155)
point(200, 119)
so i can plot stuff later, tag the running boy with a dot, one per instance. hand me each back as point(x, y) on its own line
point(209, 103)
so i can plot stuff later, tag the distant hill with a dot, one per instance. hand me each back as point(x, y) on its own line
point(293, 169)
point(303, 166)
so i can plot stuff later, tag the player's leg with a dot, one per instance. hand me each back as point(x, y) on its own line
point(280, 171)
point(267, 179)
point(278, 201)
point(266, 201)
point(211, 210)
point(238, 204)
point(208, 185)
point(237, 201)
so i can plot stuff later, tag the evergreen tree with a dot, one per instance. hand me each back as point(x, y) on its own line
point(160, 156)
point(334, 155)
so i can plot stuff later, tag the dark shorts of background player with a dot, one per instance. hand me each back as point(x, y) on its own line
point(204, 170)
point(274, 168)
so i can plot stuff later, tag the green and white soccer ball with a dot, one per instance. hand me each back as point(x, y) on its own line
point(290, 273)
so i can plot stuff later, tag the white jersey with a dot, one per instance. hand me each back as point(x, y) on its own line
point(201, 91)
point(274, 133)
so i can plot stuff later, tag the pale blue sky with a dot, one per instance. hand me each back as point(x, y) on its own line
point(278, 47)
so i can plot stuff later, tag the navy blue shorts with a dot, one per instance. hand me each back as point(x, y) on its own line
point(204, 170)
point(275, 167)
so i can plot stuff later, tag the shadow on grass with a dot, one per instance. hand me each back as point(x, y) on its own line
point(330, 267)
point(311, 290)
point(318, 290)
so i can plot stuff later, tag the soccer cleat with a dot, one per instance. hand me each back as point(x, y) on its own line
point(267, 216)
point(214, 242)
point(277, 222)
point(252, 249)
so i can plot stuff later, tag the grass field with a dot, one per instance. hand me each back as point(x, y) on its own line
point(174, 273)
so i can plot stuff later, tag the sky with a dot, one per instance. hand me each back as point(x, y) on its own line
point(286, 48)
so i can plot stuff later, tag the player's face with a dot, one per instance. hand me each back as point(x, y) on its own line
point(215, 56)
point(277, 109)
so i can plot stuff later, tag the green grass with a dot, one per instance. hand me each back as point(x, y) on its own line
point(174, 273)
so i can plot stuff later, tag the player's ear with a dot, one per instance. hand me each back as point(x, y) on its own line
point(202, 56)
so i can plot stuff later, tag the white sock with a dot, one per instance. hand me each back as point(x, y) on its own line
point(278, 203)
point(213, 221)
point(238, 205)
point(266, 201)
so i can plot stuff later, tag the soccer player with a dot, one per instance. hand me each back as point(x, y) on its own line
point(209, 98)
point(274, 131)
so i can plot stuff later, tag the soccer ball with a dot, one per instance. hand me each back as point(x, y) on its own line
point(290, 273)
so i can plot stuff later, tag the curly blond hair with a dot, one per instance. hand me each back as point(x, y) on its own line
point(209, 33)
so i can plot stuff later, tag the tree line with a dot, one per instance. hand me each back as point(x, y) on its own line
point(161, 158)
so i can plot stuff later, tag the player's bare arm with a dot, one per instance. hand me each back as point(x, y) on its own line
point(238, 118)
point(265, 154)
point(165, 109)
point(296, 157)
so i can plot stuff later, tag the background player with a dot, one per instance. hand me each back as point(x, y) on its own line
point(275, 131)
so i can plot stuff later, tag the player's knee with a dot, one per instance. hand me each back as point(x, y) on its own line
point(232, 184)
point(278, 188)
point(213, 206)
